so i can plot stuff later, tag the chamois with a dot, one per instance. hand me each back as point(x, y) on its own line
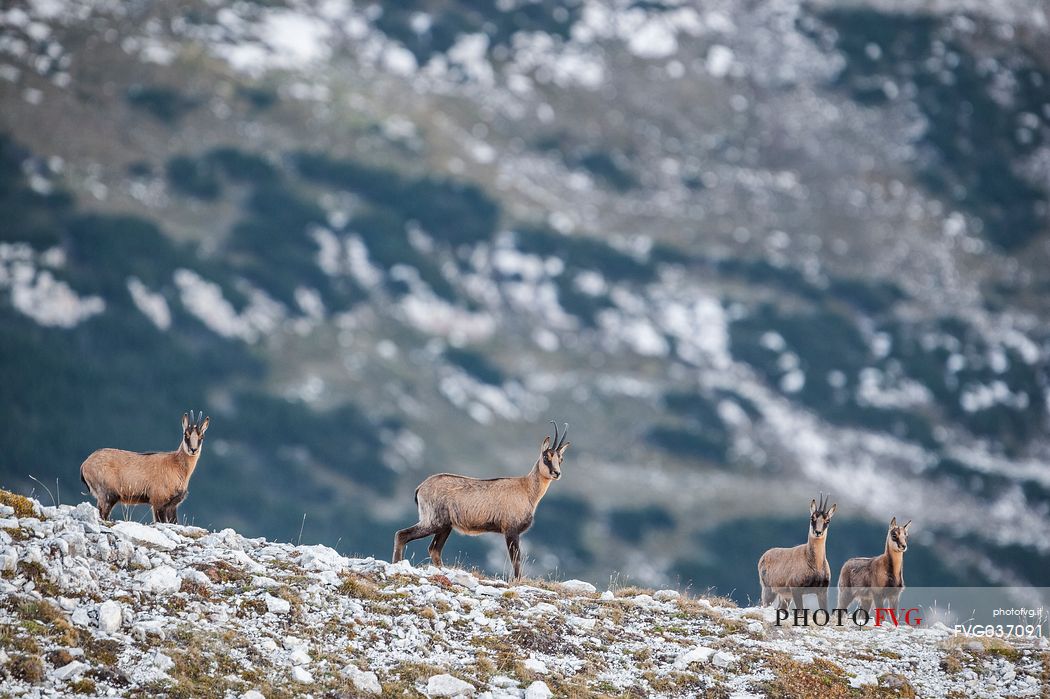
point(787, 572)
point(474, 506)
point(159, 479)
point(878, 580)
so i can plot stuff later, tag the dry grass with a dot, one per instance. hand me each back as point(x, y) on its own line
point(222, 572)
point(82, 686)
point(441, 581)
point(500, 656)
point(1044, 672)
point(360, 587)
point(715, 600)
point(289, 595)
point(22, 505)
point(34, 571)
point(16, 639)
point(684, 684)
point(990, 645)
point(60, 657)
point(819, 679)
point(540, 636)
point(28, 668)
point(195, 589)
point(952, 663)
point(404, 678)
point(892, 685)
point(43, 618)
point(822, 679)
point(538, 583)
point(101, 651)
point(17, 533)
point(693, 607)
point(204, 667)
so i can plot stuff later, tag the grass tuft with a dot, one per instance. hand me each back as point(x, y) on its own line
point(82, 686)
point(29, 668)
point(355, 585)
point(22, 505)
point(820, 679)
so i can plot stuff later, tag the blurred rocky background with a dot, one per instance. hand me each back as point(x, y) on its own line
point(749, 251)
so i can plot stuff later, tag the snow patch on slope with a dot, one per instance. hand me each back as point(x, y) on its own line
point(205, 300)
point(38, 294)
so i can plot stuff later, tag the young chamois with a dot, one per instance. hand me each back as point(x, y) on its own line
point(159, 479)
point(877, 581)
point(474, 506)
point(786, 573)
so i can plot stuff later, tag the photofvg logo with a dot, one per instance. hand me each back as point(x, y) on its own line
point(843, 617)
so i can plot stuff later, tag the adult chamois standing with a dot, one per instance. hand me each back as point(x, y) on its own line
point(505, 506)
point(792, 572)
point(159, 479)
point(876, 581)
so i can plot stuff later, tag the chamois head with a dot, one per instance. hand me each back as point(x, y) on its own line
point(551, 453)
point(820, 517)
point(897, 537)
point(193, 429)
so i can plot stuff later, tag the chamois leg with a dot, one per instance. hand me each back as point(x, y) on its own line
point(416, 531)
point(168, 511)
point(822, 598)
point(768, 596)
point(437, 544)
point(783, 602)
point(514, 549)
point(106, 503)
point(845, 598)
point(796, 598)
point(890, 599)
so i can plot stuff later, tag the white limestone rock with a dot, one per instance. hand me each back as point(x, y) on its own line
point(108, 617)
point(301, 674)
point(71, 670)
point(276, 604)
point(698, 654)
point(538, 690)
point(448, 686)
point(534, 665)
point(364, 682)
point(144, 535)
point(163, 580)
point(578, 586)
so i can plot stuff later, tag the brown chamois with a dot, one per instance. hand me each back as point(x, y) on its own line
point(789, 573)
point(877, 581)
point(159, 479)
point(474, 506)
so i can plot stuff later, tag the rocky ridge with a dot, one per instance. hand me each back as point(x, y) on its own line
point(128, 609)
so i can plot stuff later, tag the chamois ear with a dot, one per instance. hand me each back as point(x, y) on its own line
point(185, 421)
point(893, 523)
point(204, 425)
point(907, 525)
point(831, 512)
point(562, 448)
point(546, 444)
point(812, 507)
